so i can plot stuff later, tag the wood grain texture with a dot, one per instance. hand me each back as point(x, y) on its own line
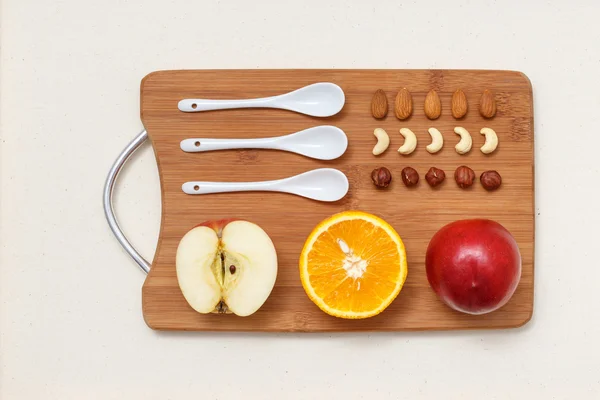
point(415, 213)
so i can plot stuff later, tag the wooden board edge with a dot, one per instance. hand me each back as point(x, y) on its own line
point(512, 326)
point(524, 76)
point(160, 182)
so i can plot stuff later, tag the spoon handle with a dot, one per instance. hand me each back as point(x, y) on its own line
point(199, 187)
point(199, 145)
point(197, 105)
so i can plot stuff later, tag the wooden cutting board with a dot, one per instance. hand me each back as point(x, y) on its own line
point(415, 213)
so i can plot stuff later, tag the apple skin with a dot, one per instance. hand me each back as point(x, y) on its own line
point(218, 225)
point(473, 265)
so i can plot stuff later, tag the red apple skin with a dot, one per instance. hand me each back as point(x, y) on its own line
point(473, 265)
point(218, 225)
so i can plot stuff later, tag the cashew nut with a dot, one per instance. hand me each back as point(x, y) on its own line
point(383, 141)
point(410, 141)
point(491, 140)
point(437, 141)
point(464, 146)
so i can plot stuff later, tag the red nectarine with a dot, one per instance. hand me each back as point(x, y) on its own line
point(473, 265)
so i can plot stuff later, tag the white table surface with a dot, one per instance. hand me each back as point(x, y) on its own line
point(70, 319)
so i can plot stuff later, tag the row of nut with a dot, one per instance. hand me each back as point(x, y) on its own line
point(463, 175)
point(437, 141)
point(403, 105)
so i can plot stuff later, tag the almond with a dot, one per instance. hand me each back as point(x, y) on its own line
point(379, 104)
point(459, 104)
point(487, 104)
point(433, 105)
point(403, 105)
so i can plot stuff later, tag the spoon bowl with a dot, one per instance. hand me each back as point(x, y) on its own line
point(324, 142)
point(319, 100)
point(324, 184)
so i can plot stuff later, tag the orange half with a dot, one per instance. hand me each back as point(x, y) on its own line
point(353, 265)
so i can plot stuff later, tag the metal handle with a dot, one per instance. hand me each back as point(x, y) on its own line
point(107, 199)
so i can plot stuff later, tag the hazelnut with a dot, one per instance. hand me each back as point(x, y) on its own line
point(490, 180)
point(381, 177)
point(410, 176)
point(435, 176)
point(464, 176)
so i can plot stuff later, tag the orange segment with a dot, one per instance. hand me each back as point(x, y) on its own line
point(353, 265)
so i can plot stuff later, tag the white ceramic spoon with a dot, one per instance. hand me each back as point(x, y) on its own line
point(323, 142)
point(324, 184)
point(322, 99)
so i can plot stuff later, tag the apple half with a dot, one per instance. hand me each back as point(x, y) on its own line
point(226, 266)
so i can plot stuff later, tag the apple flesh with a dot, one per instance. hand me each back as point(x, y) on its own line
point(473, 265)
point(226, 266)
